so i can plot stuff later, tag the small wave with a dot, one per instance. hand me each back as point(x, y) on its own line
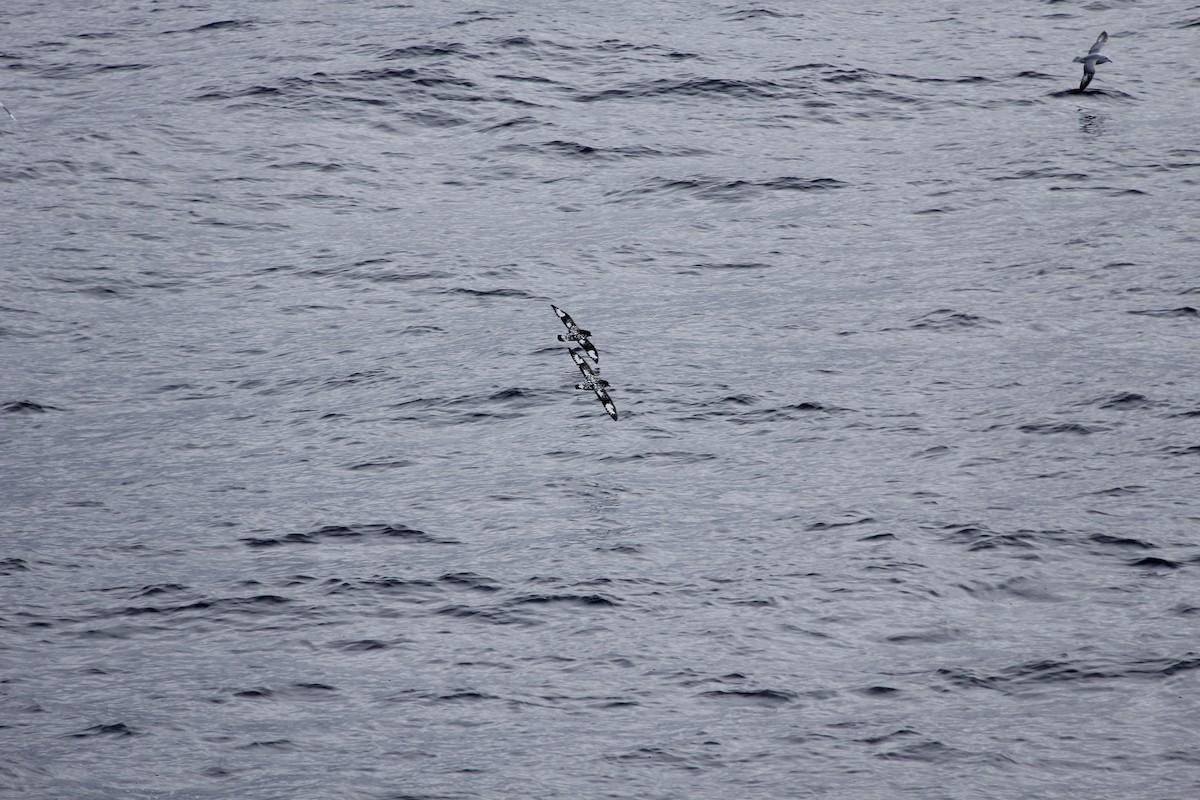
point(27, 407)
point(589, 153)
point(220, 25)
point(948, 319)
point(1183, 311)
point(1075, 428)
point(1123, 401)
point(759, 697)
point(718, 189)
point(690, 88)
point(116, 730)
point(347, 532)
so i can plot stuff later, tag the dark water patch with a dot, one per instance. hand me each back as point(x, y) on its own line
point(903, 734)
point(413, 589)
point(656, 756)
point(1183, 311)
point(746, 14)
point(1123, 401)
point(570, 599)
point(931, 636)
point(436, 118)
point(198, 605)
point(220, 25)
point(446, 413)
point(273, 745)
point(1051, 428)
point(671, 456)
point(968, 79)
point(711, 189)
point(372, 466)
point(1116, 491)
point(427, 51)
point(1155, 563)
point(558, 147)
point(1018, 587)
point(27, 407)
point(738, 266)
point(12, 565)
point(513, 393)
point(851, 522)
point(1055, 671)
point(519, 42)
point(878, 691)
point(1041, 174)
point(838, 75)
point(116, 730)
point(413, 77)
point(651, 52)
point(350, 532)
point(769, 698)
point(980, 537)
point(948, 319)
point(499, 292)
point(469, 580)
point(492, 616)
point(359, 645)
point(714, 89)
point(622, 549)
point(514, 123)
point(1190, 450)
point(935, 752)
point(461, 696)
point(1120, 541)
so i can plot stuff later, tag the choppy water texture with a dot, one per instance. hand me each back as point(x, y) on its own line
point(300, 501)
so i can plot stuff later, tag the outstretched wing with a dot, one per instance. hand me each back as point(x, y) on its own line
point(606, 401)
point(1099, 43)
point(581, 362)
point(576, 357)
point(564, 316)
point(590, 349)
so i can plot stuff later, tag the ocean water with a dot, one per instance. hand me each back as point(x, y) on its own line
point(298, 499)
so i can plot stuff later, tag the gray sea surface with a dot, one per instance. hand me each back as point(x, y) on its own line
point(298, 500)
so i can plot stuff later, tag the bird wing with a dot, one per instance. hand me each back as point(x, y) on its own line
point(590, 349)
point(582, 363)
point(1099, 43)
point(564, 316)
point(607, 402)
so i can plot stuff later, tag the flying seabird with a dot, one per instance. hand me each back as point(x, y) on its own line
point(587, 369)
point(597, 384)
point(576, 334)
point(591, 380)
point(1090, 61)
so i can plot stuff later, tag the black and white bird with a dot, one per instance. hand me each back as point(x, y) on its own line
point(593, 381)
point(1090, 61)
point(576, 334)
